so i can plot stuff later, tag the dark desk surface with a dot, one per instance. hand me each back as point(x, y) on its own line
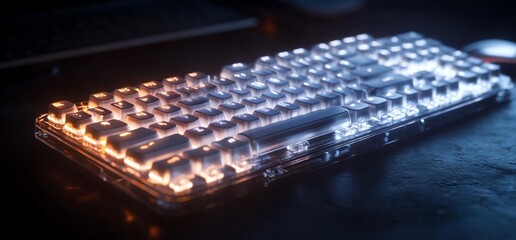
point(456, 182)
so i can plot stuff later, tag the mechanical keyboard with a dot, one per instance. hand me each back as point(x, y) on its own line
point(187, 143)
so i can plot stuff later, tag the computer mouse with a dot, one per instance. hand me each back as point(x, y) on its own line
point(493, 50)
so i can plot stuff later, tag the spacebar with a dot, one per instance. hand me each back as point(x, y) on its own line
point(283, 133)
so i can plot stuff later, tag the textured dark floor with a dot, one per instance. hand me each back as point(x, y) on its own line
point(456, 182)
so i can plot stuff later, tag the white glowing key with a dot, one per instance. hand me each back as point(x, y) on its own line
point(140, 119)
point(207, 163)
point(101, 99)
point(57, 111)
point(175, 171)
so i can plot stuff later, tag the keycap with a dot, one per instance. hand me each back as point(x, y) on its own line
point(116, 145)
point(76, 122)
point(232, 108)
point(165, 112)
point(185, 121)
point(168, 97)
point(196, 78)
point(389, 83)
point(296, 80)
point(175, 171)
point(394, 100)
point(192, 104)
point(174, 82)
point(217, 98)
point(208, 115)
point(151, 88)
point(57, 111)
point(101, 99)
point(100, 114)
point(121, 109)
point(311, 88)
point(97, 133)
point(243, 79)
point(126, 93)
point(246, 121)
point(199, 136)
point(265, 62)
point(223, 129)
point(146, 103)
point(377, 105)
point(262, 74)
point(207, 163)
point(229, 70)
point(268, 115)
point(253, 103)
point(273, 97)
point(163, 128)
point(360, 60)
point(371, 71)
point(140, 119)
point(284, 58)
point(293, 92)
point(224, 84)
point(358, 111)
point(257, 88)
point(296, 129)
point(189, 92)
point(281, 71)
point(234, 153)
point(288, 110)
point(329, 99)
point(140, 158)
point(239, 93)
point(277, 84)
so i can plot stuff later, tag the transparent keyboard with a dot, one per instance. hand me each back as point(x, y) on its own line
point(185, 143)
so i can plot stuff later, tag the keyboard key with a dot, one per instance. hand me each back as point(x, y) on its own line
point(146, 103)
point(394, 100)
point(121, 109)
point(101, 99)
point(315, 74)
point(208, 115)
point(277, 84)
point(288, 110)
point(116, 145)
point(284, 58)
point(141, 158)
point(301, 53)
point(329, 99)
point(268, 115)
point(377, 105)
point(410, 97)
point(229, 70)
point(234, 153)
point(174, 82)
point(240, 93)
point(293, 93)
point(346, 94)
point(246, 121)
point(199, 136)
point(360, 60)
point(224, 84)
point(192, 104)
point(296, 80)
point(358, 111)
point(96, 133)
point(185, 121)
point(467, 77)
point(293, 130)
point(76, 122)
point(232, 108)
point(168, 97)
point(189, 92)
point(263, 74)
point(308, 104)
point(151, 88)
point(217, 98)
point(175, 172)
point(253, 103)
point(273, 98)
point(165, 112)
point(195, 78)
point(257, 88)
point(265, 62)
point(311, 88)
point(140, 119)
point(100, 114)
point(163, 128)
point(125, 94)
point(280, 71)
point(329, 83)
point(207, 163)
point(371, 71)
point(205, 88)
point(223, 129)
point(390, 83)
point(243, 79)
point(57, 111)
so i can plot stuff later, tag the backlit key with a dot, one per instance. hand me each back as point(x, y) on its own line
point(268, 115)
point(196, 78)
point(96, 133)
point(151, 88)
point(126, 93)
point(234, 153)
point(185, 121)
point(223, 128)
point(101, 99)
point(172, 83)
point(200, 136)
point(57, 111)
point(76, 123)
point(168, 97)
point(146, 103)
point(140, 119)
point(121, 109)
point(163, 128)
point(175, 172)
point(207, 163)
point(246, 121)
point(116, 145)
point(165, 112)
point(100, 114)
point(208, 115)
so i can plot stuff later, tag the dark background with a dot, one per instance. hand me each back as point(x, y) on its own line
point(457, 182)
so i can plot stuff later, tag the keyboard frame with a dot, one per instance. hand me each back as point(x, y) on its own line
point(281, 165)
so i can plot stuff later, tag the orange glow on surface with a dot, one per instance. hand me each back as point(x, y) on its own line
point(58, 104)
